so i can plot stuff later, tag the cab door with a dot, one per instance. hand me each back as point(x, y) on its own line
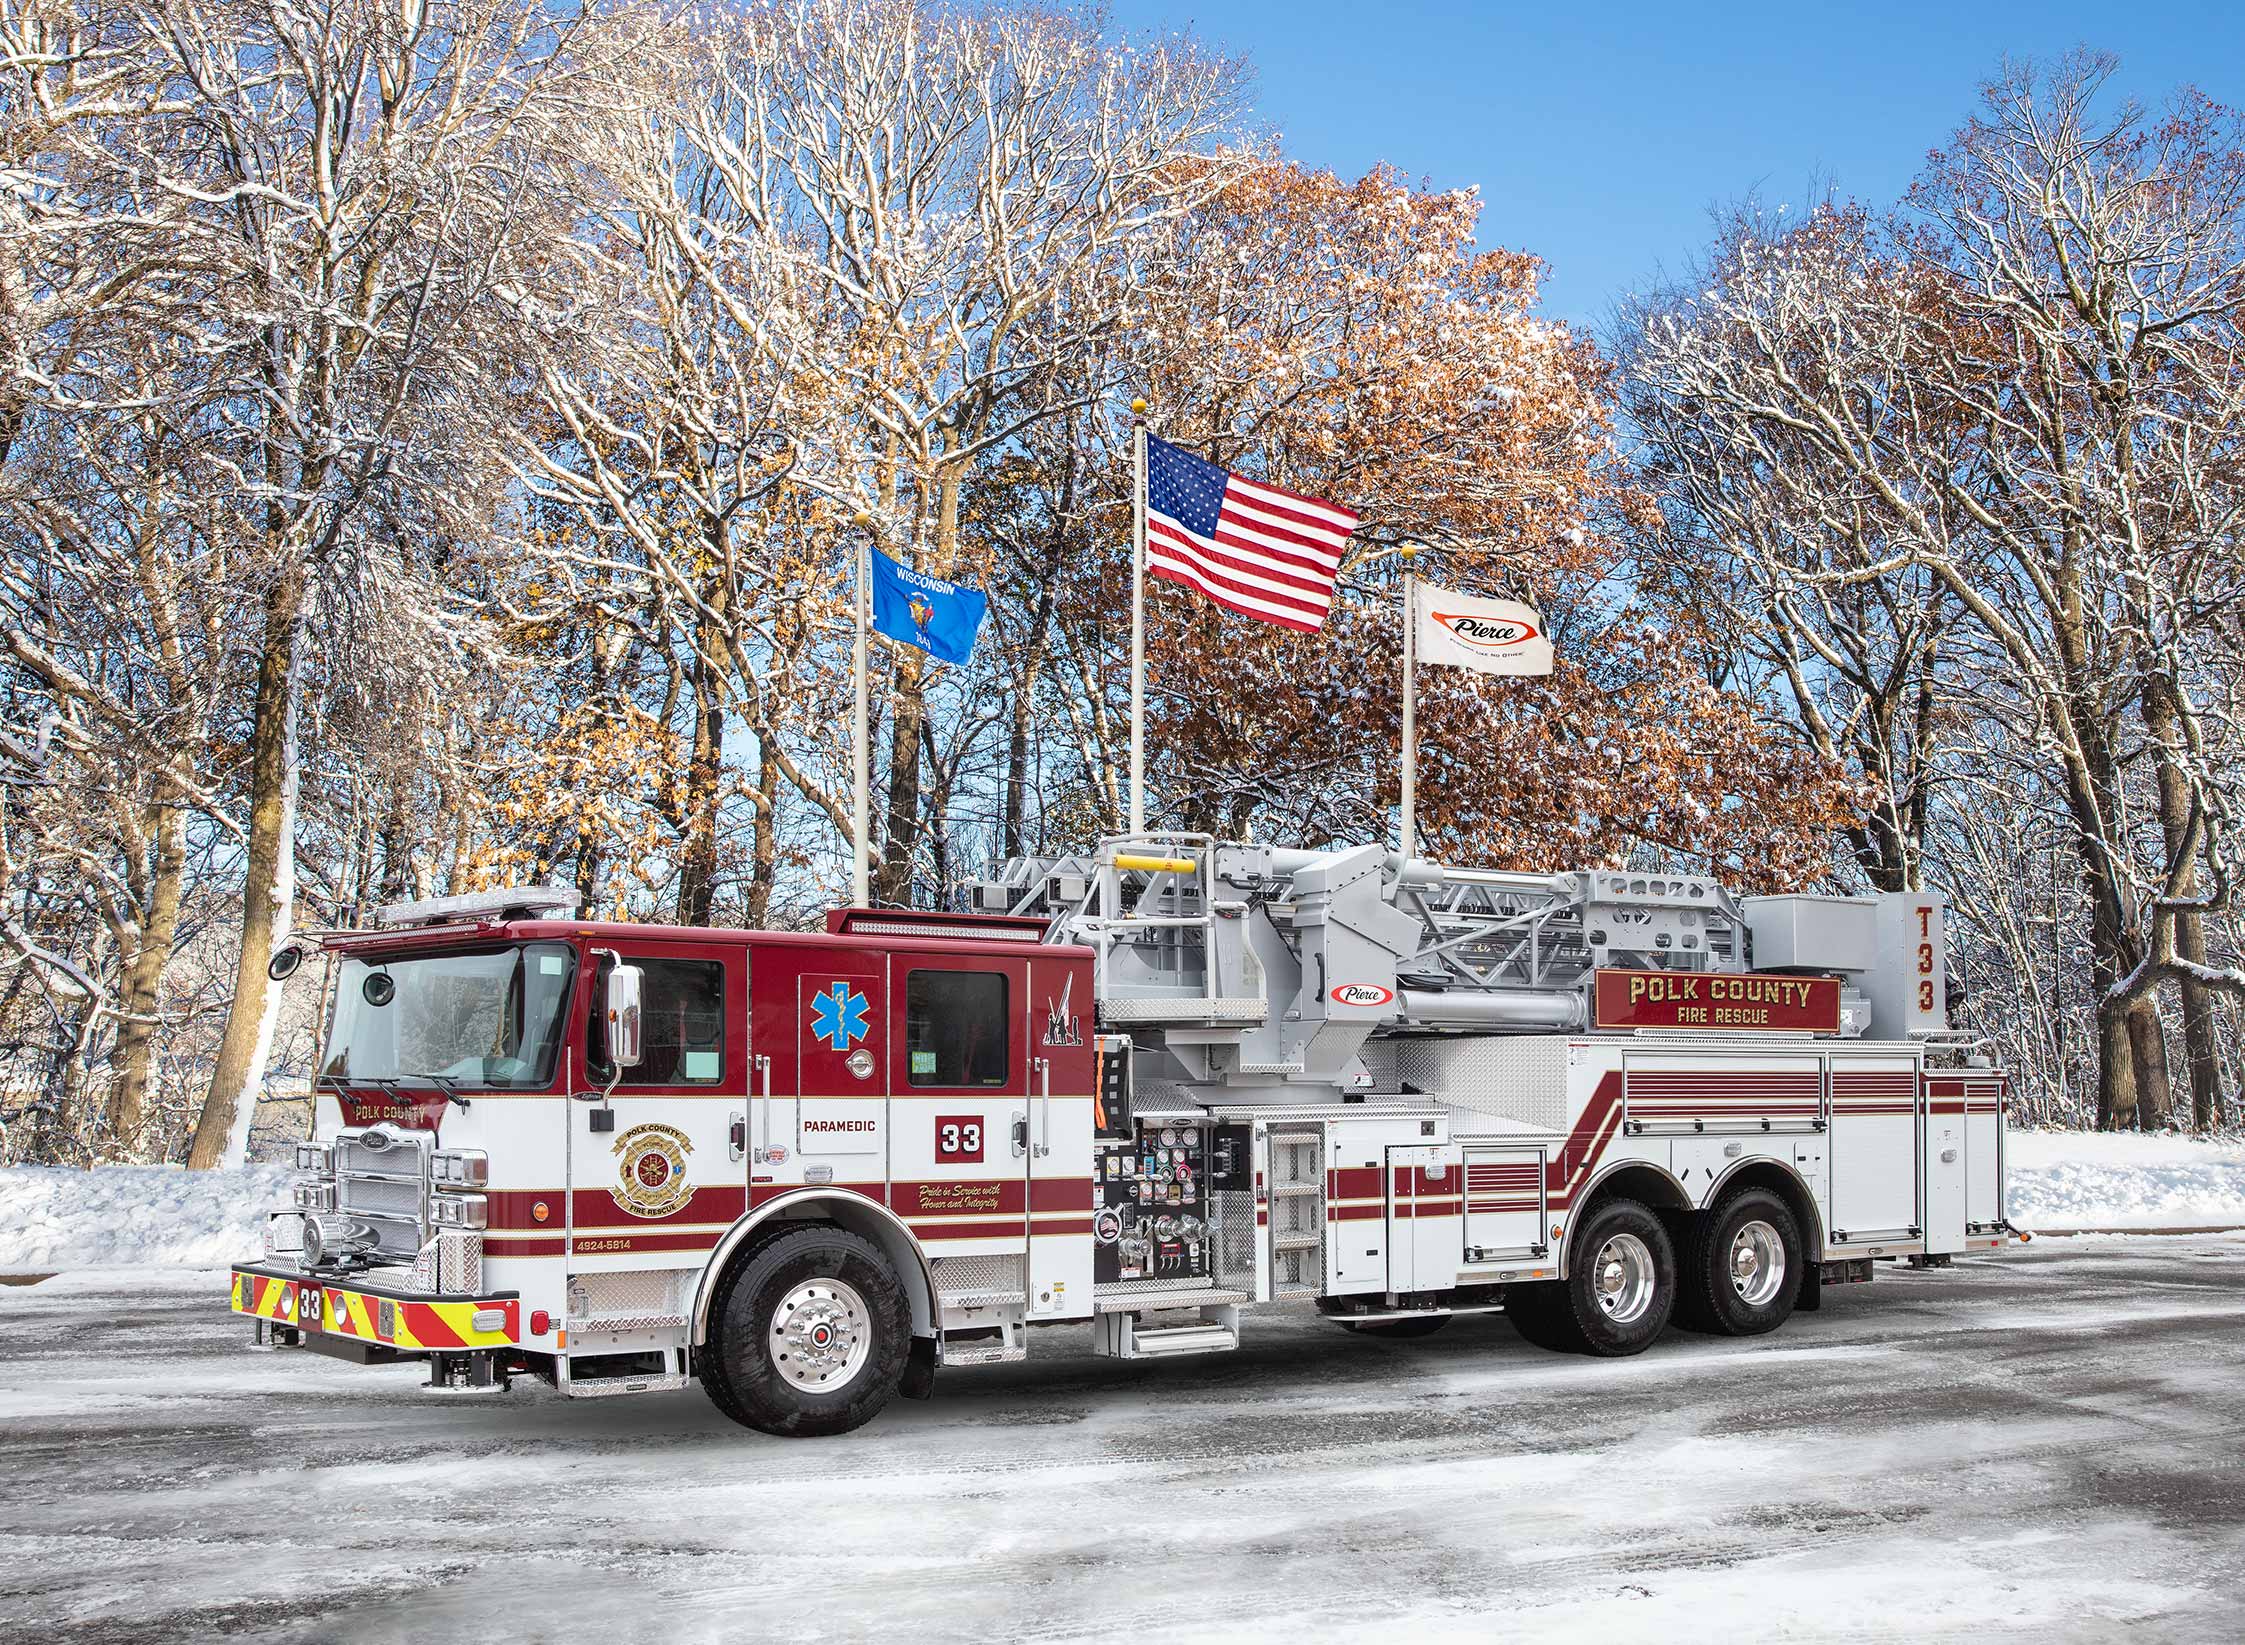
point(959, 1078)
point(819, 1117)
point(654, 1177)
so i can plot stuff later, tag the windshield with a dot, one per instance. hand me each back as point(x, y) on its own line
point(491, 1019)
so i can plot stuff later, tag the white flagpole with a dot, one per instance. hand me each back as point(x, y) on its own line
point(860, 782)
point(1410, 701)
point(1138, 617)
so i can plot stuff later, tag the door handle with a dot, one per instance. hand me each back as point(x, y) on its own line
point(736, 1137)
point(1044, 1106)
point(1020, 1135)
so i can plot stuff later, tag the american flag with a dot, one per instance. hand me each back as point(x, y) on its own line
point(1251, 548)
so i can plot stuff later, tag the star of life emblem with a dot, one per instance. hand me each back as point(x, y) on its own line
point(839, 1016)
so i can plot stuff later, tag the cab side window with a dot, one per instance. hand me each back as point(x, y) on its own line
point(956, 1028)
point(683, 1002)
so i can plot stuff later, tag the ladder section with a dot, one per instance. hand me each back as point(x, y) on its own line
point(1297, 1197)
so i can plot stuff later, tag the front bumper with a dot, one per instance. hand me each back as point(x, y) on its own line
point(362, 1310)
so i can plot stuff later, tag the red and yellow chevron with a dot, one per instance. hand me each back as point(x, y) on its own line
point(262, 1297)
point(394, 1322)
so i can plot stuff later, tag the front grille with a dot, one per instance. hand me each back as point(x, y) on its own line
point(382, 1184)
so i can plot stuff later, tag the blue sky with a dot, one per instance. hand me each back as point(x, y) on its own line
point(1600, 135)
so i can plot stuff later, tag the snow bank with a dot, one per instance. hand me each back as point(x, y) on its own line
point(131, 1216)
point(2088, 1179)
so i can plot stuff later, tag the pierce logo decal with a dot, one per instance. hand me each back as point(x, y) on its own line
point(1359, 993)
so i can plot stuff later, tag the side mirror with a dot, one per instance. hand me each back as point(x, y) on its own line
point(626, 1027)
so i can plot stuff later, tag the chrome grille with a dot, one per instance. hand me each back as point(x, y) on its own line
point(382, 1183)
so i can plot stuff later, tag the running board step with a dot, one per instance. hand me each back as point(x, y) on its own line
point(1119, 1335)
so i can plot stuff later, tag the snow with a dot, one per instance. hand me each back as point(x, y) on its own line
point(134, 1216)
point(2088, 1179)
point(140, 1216)
point(2026, 1448)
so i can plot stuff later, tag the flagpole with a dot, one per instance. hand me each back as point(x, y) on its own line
point(861, 862)
point(1138, 617)
point(1410, 700)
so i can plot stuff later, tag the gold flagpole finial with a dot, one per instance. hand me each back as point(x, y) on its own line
point(1138, 408)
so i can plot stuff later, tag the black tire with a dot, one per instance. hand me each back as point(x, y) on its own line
point(1534, 1314)
point(1714, 1298)
point(764, 1365)
point(1589, 1315)
point(1397, 1330)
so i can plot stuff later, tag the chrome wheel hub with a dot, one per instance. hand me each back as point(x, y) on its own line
point(1622, 1277)
point(1757, 1263)
point(822, 1335)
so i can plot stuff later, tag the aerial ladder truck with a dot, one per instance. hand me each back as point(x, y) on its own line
point(1150, 1089)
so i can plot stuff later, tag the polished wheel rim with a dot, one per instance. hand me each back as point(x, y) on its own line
point(1623, 1278)
point(821, 1335)
point(1757, 1263)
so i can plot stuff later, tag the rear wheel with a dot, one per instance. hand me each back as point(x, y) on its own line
point(1744, 1267)
point(1398, 1330)
point(1621, 1289)
point(811, 1336)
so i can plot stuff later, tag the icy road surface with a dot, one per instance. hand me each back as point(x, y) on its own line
point(2046, 1447)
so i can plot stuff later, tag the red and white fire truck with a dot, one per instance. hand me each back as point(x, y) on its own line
point(1147, 1089)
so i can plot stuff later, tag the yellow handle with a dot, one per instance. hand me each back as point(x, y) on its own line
point(1156, 865)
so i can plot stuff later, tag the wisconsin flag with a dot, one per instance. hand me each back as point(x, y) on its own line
point(939, 617)
point(1494, 636)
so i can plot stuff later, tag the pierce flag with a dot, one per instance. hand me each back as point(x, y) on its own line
point(1493, 636)
point(939, 617)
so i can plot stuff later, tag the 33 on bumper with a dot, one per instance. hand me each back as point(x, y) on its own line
point(367, 1314)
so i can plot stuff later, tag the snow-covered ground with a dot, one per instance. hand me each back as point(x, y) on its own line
point(131, 1216)
point(2076, 1179)
point(2039, 1447)
point(136, 1216)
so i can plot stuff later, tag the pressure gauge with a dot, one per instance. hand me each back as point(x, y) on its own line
point(1106, 1227)
point(1169, 1136)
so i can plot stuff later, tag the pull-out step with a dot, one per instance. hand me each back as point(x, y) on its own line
point(1214, 1330)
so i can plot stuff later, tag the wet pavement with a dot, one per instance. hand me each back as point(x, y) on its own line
point(2046, 1446)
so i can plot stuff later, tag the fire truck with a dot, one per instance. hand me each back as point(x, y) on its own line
point(1147, 1089)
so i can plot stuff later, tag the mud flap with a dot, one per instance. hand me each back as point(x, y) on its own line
point(1812, 1291)
point(919, 1370)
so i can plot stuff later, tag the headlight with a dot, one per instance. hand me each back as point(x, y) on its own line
point(314, 1196)
point(315, 1156)
point(467, 1167)
point(458, 1210)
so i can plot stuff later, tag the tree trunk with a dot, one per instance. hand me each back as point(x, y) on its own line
point(764, 840)
point(2200, 1043)
point(2116, 1079)
point(2147, 1040)
point(135, 1051)
point(268, 888)
point(892, 875)
point(705, 769)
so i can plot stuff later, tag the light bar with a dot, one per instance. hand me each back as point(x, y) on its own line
point(531, 900)
point(929, 928)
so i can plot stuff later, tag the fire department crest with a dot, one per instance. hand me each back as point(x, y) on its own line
point(651, 1170)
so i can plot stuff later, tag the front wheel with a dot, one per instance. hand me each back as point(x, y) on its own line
point(812, 1337)
point(1618, 1293)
